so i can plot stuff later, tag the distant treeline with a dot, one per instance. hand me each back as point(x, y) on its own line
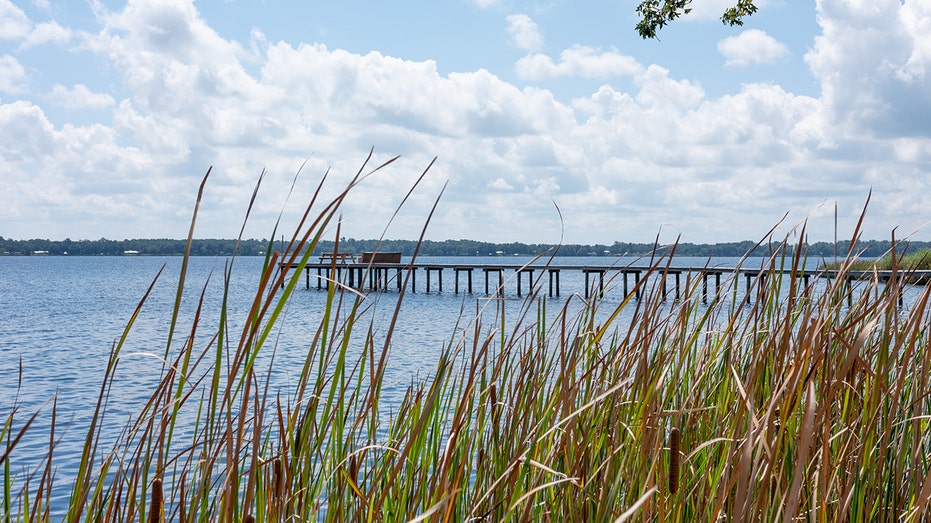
point(253, 247)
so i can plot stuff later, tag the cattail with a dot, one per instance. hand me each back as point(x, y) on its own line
point(673, 460)
point(157, 503)
point(493, 403)
point(277, 479)
point(353, 468)
point(248, 518)
point(275, 496)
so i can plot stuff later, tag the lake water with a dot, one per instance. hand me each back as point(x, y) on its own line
point(61, 316)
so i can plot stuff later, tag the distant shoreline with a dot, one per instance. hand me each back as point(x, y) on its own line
point(466, 248)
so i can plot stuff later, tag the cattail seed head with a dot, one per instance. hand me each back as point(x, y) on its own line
point(157, 504)
point(673, 460)
point(353, 468)
point(277, 478)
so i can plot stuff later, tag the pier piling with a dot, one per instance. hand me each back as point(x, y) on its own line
point(380, 274)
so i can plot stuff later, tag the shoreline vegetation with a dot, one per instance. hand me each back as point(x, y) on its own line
point(789, 403)
point(253, 247)
point(913, 261)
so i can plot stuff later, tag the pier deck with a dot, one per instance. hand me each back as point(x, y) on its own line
point(385, 276)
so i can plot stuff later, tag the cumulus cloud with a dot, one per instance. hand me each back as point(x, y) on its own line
point(26, 133)
point(580, 61)
point(658, 89)
point(14, 24)
point(750, 47)
point(872, 60)
point(524, 32)
point(80, 97)
point(916, 19)
point(12, 75)
point(47, 32)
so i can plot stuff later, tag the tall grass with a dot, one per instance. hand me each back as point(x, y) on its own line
point(792, 402)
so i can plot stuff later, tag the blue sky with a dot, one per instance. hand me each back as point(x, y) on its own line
point(111, 111)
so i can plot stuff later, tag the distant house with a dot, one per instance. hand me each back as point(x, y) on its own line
point(40, 253)
point(130, 253)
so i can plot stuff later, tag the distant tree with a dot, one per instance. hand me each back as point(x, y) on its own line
point(655, 14)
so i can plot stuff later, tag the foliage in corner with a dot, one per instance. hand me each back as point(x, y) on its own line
point(656, 14)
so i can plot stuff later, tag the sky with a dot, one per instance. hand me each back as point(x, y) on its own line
point(549, 121)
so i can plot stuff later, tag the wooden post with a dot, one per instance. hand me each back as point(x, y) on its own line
point(553, 272)
point(520, 272)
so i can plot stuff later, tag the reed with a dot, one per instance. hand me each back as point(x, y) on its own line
point(793, 402)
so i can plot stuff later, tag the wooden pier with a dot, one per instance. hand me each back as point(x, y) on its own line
point(375, 276)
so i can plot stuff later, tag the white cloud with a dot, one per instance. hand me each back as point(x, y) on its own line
point(500, 184)
point(524, 32)
point(872, 60)
point(657, 89)
point(25, 133)
point(14, 24)
point(916, 20)
point(175, 65)
point(12, 75)
point(257, 43)
point(484, 4)
point(47, 32)
point(752, 46)
point(80, 97)
point(579, 61)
